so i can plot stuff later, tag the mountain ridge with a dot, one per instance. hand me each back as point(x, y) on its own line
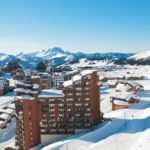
point(60, 56)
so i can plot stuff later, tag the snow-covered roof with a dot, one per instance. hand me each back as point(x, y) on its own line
point(5, 116)
point(67, 83)
point(24, 97)
point(24, 90)
point(9, 111)
point(112, 82)
point(35, 77)
point(86, 72)
point(45, 74)
point(27, 72)
point(122, 87)
point(134, 83)
point(71, 72)
point(36, 86)
point(121, 103)
point(51, 93)
point(2, 122)
point(20, 83)
point(125, 96)
point(76, 78)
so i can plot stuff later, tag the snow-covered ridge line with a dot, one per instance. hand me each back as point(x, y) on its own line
point(142, 55)
point(57, 56)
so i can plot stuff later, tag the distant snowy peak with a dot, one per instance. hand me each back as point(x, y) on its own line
point(47, 53)
point(143, 55)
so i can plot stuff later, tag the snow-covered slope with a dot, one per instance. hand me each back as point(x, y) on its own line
point(142, 55)
point(4, 58)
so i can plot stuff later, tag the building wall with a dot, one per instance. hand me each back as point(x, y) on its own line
point(78, 109)
point(95, 95)
point(27, 124)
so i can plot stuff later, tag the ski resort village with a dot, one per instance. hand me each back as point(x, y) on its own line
point(57, 100)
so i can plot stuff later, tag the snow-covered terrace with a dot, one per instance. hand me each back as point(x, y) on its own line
point(77, 77)
point(24, 90)
point(51, 93)
point(24, 97)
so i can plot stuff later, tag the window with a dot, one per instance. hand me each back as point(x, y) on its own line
point(69, 99)
point(78, 88)
point(87, 99)
point(78, 104)
point(86, 104)
point(87, 88)
point(78, 94)
point(60, 104)
point(87, 83)
point(51, 104)
point(51, 100)
point(70, 94)
point(69, 105)
point(69, 88)
point(87, 93)
point(77, 82)
point(88, 77)
point(87, 114)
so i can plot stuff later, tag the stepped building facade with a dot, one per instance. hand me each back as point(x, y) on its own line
point(55, 114)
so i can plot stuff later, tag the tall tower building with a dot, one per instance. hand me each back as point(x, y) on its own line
point(27, 122)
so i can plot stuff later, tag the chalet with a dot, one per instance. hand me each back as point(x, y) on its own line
point(117, 104)
point(41, 67)
point(134, 77)
point(122, 99)
point(19, 74)
point(129, 87)
point(123, 87)
point(5, 117)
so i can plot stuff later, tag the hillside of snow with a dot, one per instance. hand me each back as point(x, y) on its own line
point(143, 55)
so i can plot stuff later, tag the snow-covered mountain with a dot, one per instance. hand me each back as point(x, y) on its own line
point(57, 56)
point(140, 56)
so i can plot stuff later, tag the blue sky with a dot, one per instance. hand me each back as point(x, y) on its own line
point(75, 25)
